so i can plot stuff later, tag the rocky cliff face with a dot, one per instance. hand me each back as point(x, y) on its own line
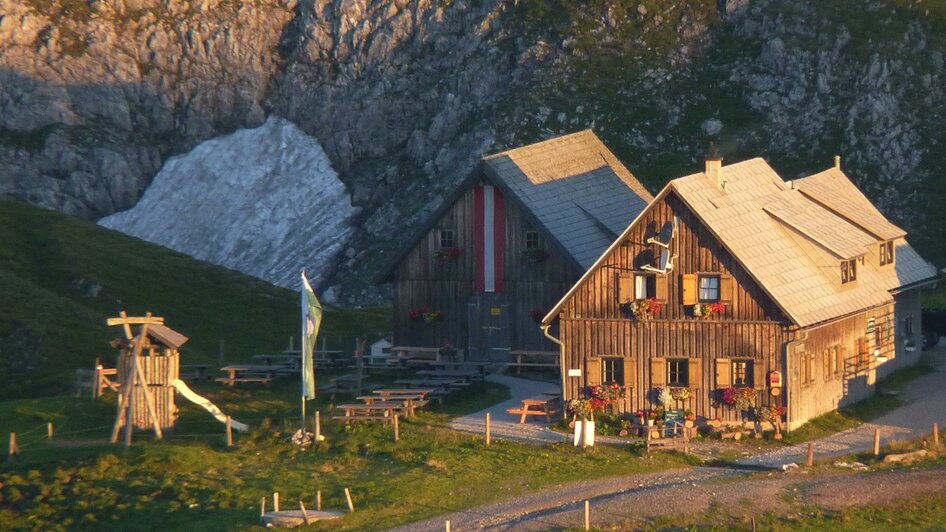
point(404, 95)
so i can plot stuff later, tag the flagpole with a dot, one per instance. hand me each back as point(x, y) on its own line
point(302, 368)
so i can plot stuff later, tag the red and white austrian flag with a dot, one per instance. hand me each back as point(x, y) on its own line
point(489, 238)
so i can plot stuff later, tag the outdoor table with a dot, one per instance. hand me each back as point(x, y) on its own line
point(534, 406)
point(409, 402)
point(455, 374)
point(247, 373)
point(381, 410)
point(392, 392)
point(199, 371)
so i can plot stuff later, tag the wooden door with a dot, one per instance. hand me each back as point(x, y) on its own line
point(490, 318)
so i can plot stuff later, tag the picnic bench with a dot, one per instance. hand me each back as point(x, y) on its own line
point(410, 403)
point(536, 406)
point(248, 373)
point(380, 410)
point(196, 372)
point(464, 375)
point(529, 358)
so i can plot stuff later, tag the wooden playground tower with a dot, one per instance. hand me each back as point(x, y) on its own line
point(148, 364)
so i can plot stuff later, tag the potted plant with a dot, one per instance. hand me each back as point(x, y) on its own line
point(651, 417)
point(447, 254)
point(585, 427)
point(741, 397)
point(681, 394)
point(642, 309)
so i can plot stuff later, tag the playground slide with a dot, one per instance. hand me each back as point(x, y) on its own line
point(207, 405)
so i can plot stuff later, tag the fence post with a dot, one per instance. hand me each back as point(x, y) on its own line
point(397, 430)
point(936, 435)
point(487, 429)
point(49, 431)
point(447, 525)
point(14, 448)
point(229, 431)
point(275, 501)
point(351, 505)
point(318, 500)
point(587, 515)
point(876, 442)
point(262, 509)
point(318, 426)
point(811, 455)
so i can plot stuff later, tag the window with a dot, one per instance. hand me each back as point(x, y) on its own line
point(886, 252)
point(709, 288)
point(742, 373)
point(532, 240)
point(678, 372)
point(807, 368)
point(645, 286)
point(612, 370)
point(848, 271)
point(447, 239)
point(908, 325)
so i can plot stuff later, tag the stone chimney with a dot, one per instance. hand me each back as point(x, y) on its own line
point(713, 165)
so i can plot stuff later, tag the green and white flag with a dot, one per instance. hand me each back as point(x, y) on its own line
point(311, 321)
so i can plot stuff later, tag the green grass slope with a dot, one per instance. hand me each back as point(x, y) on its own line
point(60, 278)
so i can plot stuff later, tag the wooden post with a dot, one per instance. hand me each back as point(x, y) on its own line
point(936, 435)
point(397, 430)
point(876, 442)
point(587, 515)
point(446, 525)
point(487, 429)
point(351, 505)
point(275, 501)
point(305, 516)
point(318, 426)
point(229, 431)
point(49, 431)
point(149, 401)
point(752, 522)
point(811, 455)
point(262, 509)
point(14, 448)
point(318, 500)
point(97, 379)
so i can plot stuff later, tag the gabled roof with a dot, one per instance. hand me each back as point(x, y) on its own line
point(791, 244)
point(572, 188)
point(167, 336)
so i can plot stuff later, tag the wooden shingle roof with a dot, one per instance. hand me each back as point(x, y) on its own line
point(792, 244)
point(167, 336)
point(572, 188)
point(575, 187)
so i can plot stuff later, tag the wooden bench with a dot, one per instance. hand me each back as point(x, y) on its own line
point(523, 356)
point(196, 372)
point(248, 373)
point(231, 381)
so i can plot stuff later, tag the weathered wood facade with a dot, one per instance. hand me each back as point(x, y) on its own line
point(553, 208)
point(534, 280)
point(822, 363)
point(595, 326)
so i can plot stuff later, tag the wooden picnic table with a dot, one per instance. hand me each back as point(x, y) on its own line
point(459, 366)
point(466, 375)
point(435, 384)
point(383, 410)
point(410, 402)
point(535, 406)
point(390, 392)
point(523, 356)
point(197, 372)
point(248, 373)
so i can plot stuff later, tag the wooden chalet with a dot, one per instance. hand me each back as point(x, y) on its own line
point(732, 277)
point(508, 243)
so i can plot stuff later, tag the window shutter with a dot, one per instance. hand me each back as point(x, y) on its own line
point(842, 358)
point(758, 375)
point(695, 373)
point(725, 288)
point(689, 288)
point(625, 282)
point(826, 364)
point(593, 371)
point(661, 290)
point(723, 373)
point(658, 372)
point(630, 374)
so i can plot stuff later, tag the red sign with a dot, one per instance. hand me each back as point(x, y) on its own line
point(775, 379)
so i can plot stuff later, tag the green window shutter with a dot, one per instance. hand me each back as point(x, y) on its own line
point(723, 373)
point(658, 372)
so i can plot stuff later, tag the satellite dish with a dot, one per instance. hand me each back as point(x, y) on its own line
point(664, 263)
point(666, 234)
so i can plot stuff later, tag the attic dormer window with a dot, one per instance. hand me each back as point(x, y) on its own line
point(848, 271)
point(886, 252)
